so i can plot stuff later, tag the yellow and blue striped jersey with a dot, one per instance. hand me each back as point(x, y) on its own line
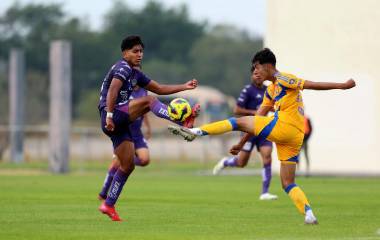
point(285, 96)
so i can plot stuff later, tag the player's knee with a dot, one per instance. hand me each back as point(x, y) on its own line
point(240, 122)
point(244, 124)
point(144, 162)
point(127, 167)
point(150, 99)
point(267, 159)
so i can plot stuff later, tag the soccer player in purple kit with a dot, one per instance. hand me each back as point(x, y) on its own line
point(117, 112)
point(141, 157)
point(247, 104)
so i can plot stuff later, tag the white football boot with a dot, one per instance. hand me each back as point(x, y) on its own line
point(219, 166)
point(310, 219)
point(183, 132)
point(268, 196)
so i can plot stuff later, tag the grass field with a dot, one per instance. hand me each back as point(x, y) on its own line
point(177, 202)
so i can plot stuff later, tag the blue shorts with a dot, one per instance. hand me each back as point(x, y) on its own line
point(255, 141)
point(121, 132)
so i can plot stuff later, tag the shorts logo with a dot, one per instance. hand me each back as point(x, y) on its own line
point(247, 146)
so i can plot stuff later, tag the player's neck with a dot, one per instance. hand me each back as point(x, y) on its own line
point(273, 73)
point(129, 63)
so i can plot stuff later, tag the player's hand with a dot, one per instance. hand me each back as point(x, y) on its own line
point(235, 149)
point(349, 84)
point(110, 125)
point(191, 84)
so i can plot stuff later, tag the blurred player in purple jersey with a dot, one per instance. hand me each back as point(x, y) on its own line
point(247, 104)
point(118, 112)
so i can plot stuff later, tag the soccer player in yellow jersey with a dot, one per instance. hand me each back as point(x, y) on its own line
point(285, 127)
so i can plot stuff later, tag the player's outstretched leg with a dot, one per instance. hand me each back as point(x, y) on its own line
point(140, 106)
point(295, 193)
point(244, 124)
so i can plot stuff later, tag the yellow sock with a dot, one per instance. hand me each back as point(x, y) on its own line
point(219, 127)
point(298, 197)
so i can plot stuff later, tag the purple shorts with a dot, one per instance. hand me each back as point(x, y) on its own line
point(255, 141)
point(139, 140)
point(121, 132)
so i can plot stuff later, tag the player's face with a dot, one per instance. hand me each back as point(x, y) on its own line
point(255, 79)
point(134, 55)
point(261, 72)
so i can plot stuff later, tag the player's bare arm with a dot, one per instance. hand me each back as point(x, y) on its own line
point(243, 111)
point(162, 89)
point(113, 91)
point(329, 85)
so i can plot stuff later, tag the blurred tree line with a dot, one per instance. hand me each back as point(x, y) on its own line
point(177, 49)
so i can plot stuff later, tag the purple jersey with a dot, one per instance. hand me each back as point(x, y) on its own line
point(251, 97)
point(130, 78)
point(135, 126)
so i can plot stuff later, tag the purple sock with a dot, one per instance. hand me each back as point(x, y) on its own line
point(161, 110)
point(137, 161)
point(231, 162)
point(117, 185)
point(107, 182)
point(267, 176)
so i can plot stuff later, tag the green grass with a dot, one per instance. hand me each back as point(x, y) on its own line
point(176, 202)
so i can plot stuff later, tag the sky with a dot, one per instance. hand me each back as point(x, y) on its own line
point(245, 14)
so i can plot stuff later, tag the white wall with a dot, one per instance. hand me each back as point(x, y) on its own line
point(328, 40)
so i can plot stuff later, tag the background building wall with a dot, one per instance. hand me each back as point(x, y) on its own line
point(333, 41)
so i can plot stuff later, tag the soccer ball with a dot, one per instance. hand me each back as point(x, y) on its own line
point(179, 109)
